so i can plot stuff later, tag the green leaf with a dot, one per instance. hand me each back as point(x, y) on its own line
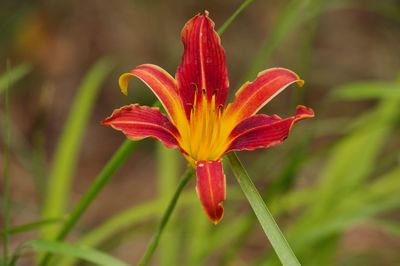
point(353, 157)
point(367, 90)
point(228, 22)
point(168, 173)
point(29, 227)
point(5, 190)
point(82, 252)
point(271, 229)
point(291, 16)
point(391, 228)
point(14, 75)
point(66, 154)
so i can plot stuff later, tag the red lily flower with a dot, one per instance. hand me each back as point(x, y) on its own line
point(199, 123)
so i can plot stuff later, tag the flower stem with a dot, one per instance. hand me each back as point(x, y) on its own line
point(167, 214)
point(271, 229)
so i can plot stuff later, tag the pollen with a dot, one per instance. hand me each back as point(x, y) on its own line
point(204, 127)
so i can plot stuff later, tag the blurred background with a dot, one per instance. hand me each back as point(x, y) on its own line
point(333, 186)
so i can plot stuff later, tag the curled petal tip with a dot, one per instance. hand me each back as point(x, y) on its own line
point(300, 82)
point(123, 82)
point(304, 111)
point(206, 13)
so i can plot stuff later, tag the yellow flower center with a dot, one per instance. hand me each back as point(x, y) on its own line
point(204, 138)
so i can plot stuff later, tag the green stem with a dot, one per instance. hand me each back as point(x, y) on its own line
point(264, 216)
point(108, 171)
point(233, 16)
point(164, 220)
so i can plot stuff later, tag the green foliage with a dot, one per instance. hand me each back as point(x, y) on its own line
point(66, 154)
point(29, 227)
point(15, 74)
point(271, 229)
point(82, 252)
point(368, 90)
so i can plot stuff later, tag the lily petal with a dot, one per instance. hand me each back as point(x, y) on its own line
point(262, 131)
point(211, 188)
point(139, 122)
point(252, 96)
point(161, 83)
point(203, 66)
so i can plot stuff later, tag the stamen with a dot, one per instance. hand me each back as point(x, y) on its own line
point(220, 109)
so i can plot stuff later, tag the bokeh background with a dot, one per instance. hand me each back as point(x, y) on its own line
point(333, 186)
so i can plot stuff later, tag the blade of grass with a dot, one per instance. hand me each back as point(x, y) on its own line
point(82, 252)
point(168, 164)
point(346, 192)
point(104, 176)
point(280, 184)
point(199, 237)
point(228, 22)
point(164, 220)
point(291, 16)
point(124, 219)
point(28, 227)
point(6, 172)
point(388, 227)
point(13, 75)
point(265, 218)
point(66, 154)
point(367, 90)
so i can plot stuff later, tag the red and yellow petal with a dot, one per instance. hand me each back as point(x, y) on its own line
point(211, 188)
point(163, 86)
point(203, 66)
point(262, 131)
point(139, 122)
point(252, 96)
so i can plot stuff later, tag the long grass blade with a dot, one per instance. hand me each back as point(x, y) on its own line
point(6, 173)
point(13, 75)
point(271, 229)
point(66, 154)
point(367, 90)
point(126, 218)
point(82, 252)
point(107, 172)
point(228, 22)
point(28, 227)
point(291, 17)
point(168, 171)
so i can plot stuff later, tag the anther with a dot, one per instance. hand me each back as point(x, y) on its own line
point(204, 91)
point(190, 106)
point(194, 86)
point(220, 106)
